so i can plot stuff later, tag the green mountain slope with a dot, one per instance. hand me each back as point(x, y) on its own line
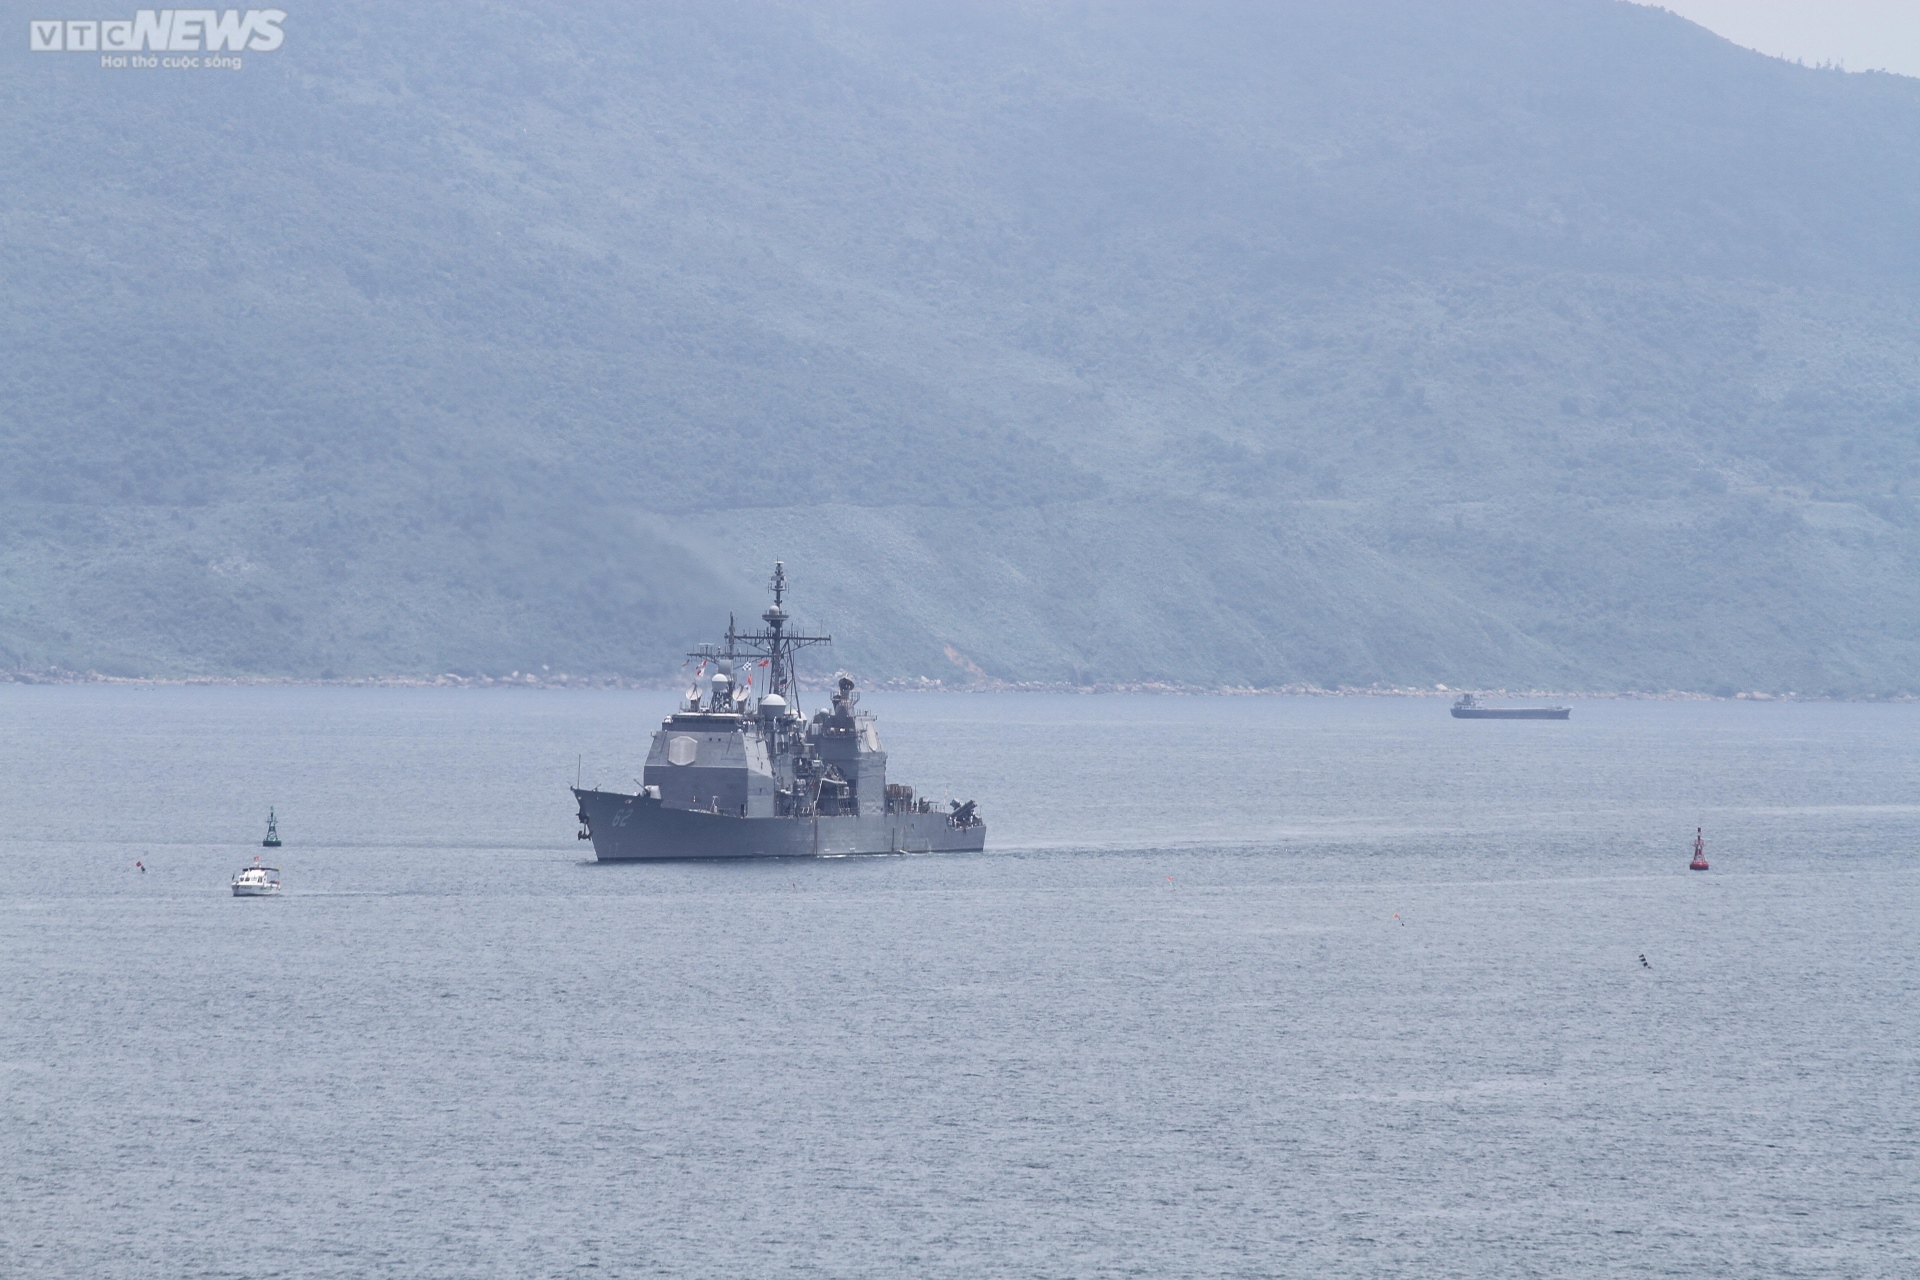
point(1519, 343)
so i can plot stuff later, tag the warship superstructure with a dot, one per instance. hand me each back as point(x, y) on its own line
point(732, 774)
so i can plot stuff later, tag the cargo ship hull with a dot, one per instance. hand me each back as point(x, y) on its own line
point(640, 828)
point(1511, 713)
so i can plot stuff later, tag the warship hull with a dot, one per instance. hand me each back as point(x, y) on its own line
point(639, 828)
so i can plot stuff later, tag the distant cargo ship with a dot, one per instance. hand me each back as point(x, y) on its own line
point(1469, 708)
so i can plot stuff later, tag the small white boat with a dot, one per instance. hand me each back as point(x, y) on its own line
point(256, 881)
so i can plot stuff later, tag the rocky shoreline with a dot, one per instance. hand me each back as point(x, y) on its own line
point(920, 684)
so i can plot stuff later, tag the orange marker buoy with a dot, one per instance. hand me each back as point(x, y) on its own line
point(1699, 862)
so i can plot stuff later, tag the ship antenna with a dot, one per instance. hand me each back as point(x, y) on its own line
point(779, 674)
point(774, 643)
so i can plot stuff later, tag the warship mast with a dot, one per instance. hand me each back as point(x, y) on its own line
point(773, 644)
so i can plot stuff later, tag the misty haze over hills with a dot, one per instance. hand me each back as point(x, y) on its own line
point(1549, 343)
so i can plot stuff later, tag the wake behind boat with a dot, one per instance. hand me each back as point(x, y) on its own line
point(1468, 708)
point(730, 776)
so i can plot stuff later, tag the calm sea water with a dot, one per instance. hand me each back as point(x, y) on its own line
point(1242, 987)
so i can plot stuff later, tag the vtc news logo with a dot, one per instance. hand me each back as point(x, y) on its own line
point(162, 31)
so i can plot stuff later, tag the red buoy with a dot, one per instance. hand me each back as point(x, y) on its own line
point(1699, 862)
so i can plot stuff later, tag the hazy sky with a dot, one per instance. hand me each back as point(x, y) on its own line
point(1862, 35)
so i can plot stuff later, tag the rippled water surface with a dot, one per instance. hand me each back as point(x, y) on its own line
point(1242, 987)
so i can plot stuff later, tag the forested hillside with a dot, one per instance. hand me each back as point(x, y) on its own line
point(1548, 343)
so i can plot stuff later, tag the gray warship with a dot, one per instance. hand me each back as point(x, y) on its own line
point(732, 775)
